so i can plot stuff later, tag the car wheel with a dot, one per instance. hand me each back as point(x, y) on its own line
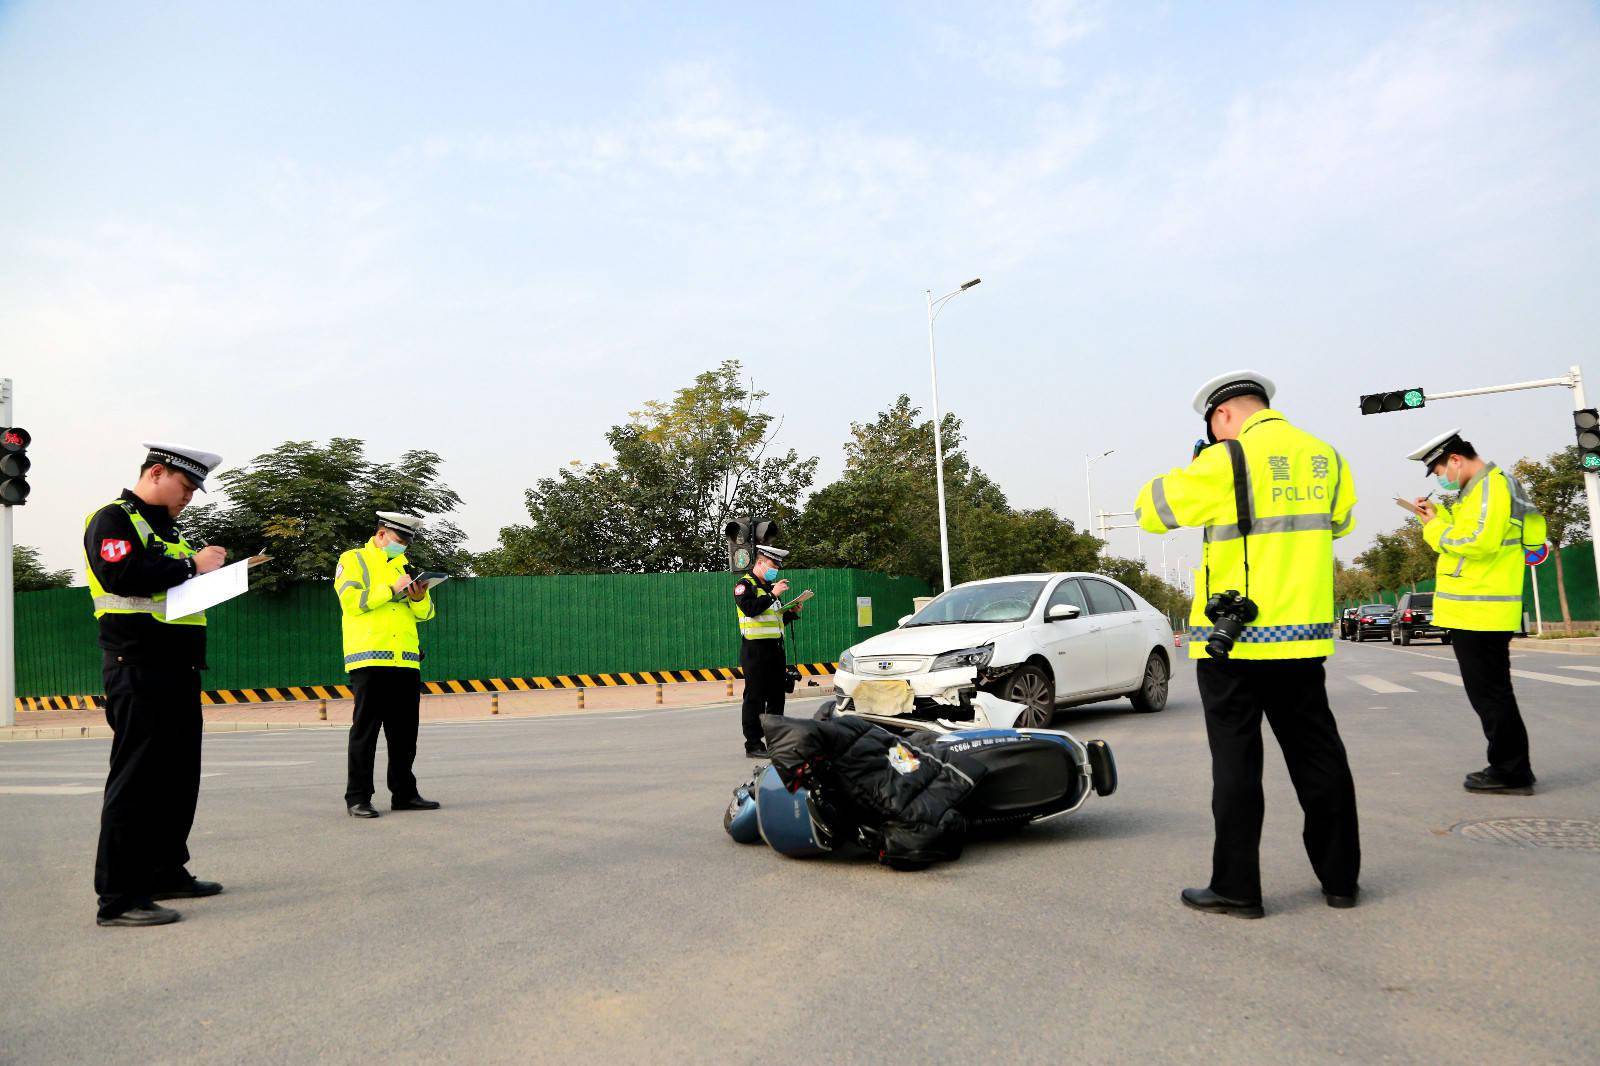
point(1152, 694)
point(1031, 687)
point(1444, 638)
point(1361, 635)
point(1405, 637)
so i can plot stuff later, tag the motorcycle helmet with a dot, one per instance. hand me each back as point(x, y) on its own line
point(790, 821)
point(740, 818)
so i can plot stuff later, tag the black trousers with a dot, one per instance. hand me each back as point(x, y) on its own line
point(1485, 661)
point(1293, 696)
point(387, 698)
point(766, 685)
point(153, 784)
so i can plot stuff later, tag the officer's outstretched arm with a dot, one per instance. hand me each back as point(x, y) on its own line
point(1344, 501)
point(1196, 495)
point(353, 583)
point(1473, 532)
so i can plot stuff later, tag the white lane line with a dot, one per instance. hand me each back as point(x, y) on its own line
point(1378, 684)
point(1441, 676)
point(1424, 655)
point(251, 763)
point(1556, 679)
point(1585, 669)
point(50, 790)
point(47, 774)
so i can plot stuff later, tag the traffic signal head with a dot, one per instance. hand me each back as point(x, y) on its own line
point(1377, 403)
point(766, 531)
point(1587, 424)
point(14, 464)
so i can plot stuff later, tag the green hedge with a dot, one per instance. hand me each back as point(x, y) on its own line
point(486, 627)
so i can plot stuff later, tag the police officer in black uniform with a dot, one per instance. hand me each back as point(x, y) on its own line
point(759, 595)
point(151, 668)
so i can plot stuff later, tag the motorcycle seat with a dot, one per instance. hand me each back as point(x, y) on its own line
point(1025, 775)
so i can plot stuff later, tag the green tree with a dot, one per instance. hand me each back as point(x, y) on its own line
point(1556, 488)
point(882, 513)
point(304, 505)
point(1353, 584)
point(1399, 558)
point(29, 575)
point(680, 469)
point(1164, 597)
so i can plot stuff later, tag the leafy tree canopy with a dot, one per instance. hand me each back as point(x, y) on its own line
point(304, 505)
point(29, 575)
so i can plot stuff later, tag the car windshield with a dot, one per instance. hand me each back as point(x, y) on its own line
point(1422, 601)
point(1001, 601)
point(1377, 608)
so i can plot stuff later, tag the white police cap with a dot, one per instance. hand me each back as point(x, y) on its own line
point(191, 462)
point(1436, 447)
point(404, 524)
point(777, 555)
point(1226, 386)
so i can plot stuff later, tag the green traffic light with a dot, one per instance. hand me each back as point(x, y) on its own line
point(1414, 398)
point(1591, 462)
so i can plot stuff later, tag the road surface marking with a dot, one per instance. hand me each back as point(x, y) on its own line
point(1440, 676)
point(246, 764)
point(1586, 669)
point(1379, 685)
point(1555, 679)
point(50, 790)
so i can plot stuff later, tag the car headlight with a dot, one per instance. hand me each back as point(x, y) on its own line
point(950, 660)
point(847, 662)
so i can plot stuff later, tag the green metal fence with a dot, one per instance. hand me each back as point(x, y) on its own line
point(486, 627)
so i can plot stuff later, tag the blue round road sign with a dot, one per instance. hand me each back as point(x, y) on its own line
point(1538, 555)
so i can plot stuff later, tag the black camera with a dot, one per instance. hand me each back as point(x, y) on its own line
point(1229, 613)
point(791, 677)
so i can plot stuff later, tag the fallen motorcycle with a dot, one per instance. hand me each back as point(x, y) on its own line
point(912, 800)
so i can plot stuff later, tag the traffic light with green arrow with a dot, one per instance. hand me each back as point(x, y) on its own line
point(1378, 403)
point(1587, 424)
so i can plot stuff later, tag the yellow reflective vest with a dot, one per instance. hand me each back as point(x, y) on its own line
point(1302, 495)
point(155, 606)
point(379, 630)
point(768, 625)
point(1481, 568)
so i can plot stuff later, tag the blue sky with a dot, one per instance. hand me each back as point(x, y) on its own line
point(494, 229)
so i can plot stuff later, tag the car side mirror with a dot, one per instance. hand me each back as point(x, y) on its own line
point(1061, 612)
point(903, 620)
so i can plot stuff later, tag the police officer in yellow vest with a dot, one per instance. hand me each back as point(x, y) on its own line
point(1270, 500)
point(151, 666)
point(1478, 594)
point(757, 596)
point(380, 606)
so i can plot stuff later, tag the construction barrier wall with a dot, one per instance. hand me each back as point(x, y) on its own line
point(486, 627)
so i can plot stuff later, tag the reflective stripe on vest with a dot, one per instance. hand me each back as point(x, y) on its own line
point(155, 606)
point(768, 625)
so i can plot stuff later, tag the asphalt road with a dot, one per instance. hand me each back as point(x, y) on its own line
point(576, 899)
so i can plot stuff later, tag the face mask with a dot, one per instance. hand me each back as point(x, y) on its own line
point(394, 548)
point(769, 575)
point(1446, 483)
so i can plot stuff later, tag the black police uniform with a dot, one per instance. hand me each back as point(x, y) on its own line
point(765, 667)
point(151, 671)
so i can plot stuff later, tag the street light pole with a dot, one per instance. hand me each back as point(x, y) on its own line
point(1089, 488)
point(934, 307)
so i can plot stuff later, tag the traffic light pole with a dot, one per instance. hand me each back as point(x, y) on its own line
point(8, 599)
point(1591, 481)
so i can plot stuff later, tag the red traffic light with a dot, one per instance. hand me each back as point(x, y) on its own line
point(15, 439)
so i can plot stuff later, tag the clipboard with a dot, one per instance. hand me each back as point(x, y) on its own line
point(797, 601)
point(1407, 505)
point(204, 591)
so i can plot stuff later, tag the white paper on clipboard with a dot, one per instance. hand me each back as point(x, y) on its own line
point(204, 591)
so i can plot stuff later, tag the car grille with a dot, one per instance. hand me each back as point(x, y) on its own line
point(896, 666)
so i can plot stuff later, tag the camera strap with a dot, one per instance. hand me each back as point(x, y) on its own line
point(1242, 503)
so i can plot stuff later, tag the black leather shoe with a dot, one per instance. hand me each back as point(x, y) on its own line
point(756, 753)
point(1338, 902)
point(363, 810)
point(151, 915)
point(1203, 899)
point(193, 888)
point(415, 803)
point(1487, 780)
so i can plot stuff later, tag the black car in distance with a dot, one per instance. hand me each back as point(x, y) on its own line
point(1371, 620)
point(1413, 620)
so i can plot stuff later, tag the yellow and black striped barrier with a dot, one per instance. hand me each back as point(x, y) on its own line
point(293, 693)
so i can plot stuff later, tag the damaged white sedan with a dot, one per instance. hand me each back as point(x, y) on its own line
point(1042, 640)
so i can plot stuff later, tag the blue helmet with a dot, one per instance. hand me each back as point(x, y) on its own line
point(740, 818)
point(790, 821)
